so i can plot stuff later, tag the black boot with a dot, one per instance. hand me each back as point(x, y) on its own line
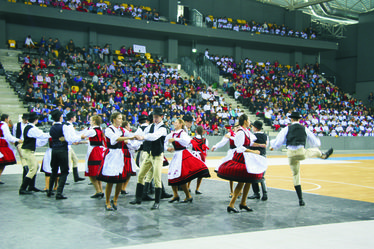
point(300, 195)
point(156, 205)
point(25, 171)
point(52, 180)
point(138, 194)
point(22, 191)
point(145, 196)
point(264, 190)
point(151, 188)
point(256, 191)
point(328, 153)
point(164, 195)
point(76, 175)
point(60, 188)
point(32, 186)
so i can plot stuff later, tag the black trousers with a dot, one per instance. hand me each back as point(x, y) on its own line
point(60, 159)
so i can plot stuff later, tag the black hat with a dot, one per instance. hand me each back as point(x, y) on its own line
point(70, 115)
point(295, 115)
point(31, 117)
point(25, 116)
point(56, 114)
point(187, 118)
point(158, 111)
point(257, 124)
point(143, 118)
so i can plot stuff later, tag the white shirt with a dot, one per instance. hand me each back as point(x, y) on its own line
point(23, 125)
point(41, 137)
point(6, 132)
point(69, 134)
point(281, 139)
point(157, 132)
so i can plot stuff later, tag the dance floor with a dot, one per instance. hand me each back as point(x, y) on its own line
point(339, 212)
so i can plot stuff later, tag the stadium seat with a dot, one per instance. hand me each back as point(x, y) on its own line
point(12, 44)
point(138, 18)
point(99, 13)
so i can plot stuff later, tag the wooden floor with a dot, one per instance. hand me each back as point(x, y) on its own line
point(336, 177)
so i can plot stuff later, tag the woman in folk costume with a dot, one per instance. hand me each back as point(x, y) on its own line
point(46, 166)
point(184, 167)
point(199, 148)
point(116, 166)
point(229, 137)
point(94, 155)
point(7, 156)
point(245, 167)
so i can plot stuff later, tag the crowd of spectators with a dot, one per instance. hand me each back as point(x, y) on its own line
point(146, 13)
point(259, 28)
point(54, 80)
point(102, 7)
point(272, 91)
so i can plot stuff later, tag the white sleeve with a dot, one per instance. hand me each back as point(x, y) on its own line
point(156, 135)
point(112, 136)
point(280, 139)
point(6, 132)
point(312, 139)
point(37, 133)
point(70, 135)
point(166, 142)
point(221, 143)
point(90, 133)
point(41, 142)
point(239, 141)
point(184, 139)
point(15, 129)
point(252, 137)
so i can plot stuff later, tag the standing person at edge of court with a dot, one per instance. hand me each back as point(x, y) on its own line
point(7, 156)
point(296, 136)
point(262, 139)
point(33, 137)
point(18, 133)
point(60, 152)
point(155, 134)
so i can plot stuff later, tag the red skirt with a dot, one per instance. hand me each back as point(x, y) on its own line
point(128, 165)
point(94, 161)
point(192, 168)
point(8, 156)
point(235, 170)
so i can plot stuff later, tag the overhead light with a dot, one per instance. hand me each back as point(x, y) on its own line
point(194, 50)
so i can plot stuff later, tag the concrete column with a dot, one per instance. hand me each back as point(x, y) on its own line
point(92, 36)
point(3, 35)
point(172, 50)
point(238, 53)
point(296, 57)
point(169, 9)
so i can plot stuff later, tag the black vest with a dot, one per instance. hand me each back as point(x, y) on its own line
point(154, 147)
point(18, 132)
point(296, 135)
point(29, 143)
point(56, 132)
point(261, 139)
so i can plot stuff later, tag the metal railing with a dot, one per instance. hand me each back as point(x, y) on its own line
point(197, 19)
point(201, 66)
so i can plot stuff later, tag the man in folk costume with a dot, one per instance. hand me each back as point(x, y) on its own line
point(33, 137)
point(73, 159)
point(148, 186)
point(7, 156)
point(18, 133)
point(60, 152)
point(262, 139)
point(154, 134)
point(296, 136)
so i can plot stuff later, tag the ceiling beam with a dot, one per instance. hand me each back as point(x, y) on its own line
point(300, 5)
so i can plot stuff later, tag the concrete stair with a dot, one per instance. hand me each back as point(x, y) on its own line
point(9, 101)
